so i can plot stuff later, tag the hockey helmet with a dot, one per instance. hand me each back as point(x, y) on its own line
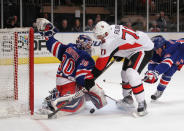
point(101, 28)
point(84, 42)
point(158, 41)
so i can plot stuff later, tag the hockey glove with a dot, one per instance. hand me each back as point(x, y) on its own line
point(151, 77)
point(89, 83)
point(45, 27)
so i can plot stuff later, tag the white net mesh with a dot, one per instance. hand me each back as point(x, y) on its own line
point(15, 72)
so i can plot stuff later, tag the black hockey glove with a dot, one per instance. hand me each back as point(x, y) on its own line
point(89, 83)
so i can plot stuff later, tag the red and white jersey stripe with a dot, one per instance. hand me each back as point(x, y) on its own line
point(84, 72)
point(55, 48)
point(168, 61)
point(139, 60)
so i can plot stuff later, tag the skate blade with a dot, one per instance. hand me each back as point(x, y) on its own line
point(125, 106)
point(139, 114)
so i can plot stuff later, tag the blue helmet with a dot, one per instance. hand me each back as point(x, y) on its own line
point(158, 41)
point(84, 42)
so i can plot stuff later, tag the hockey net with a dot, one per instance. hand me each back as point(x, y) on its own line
point(17, 72)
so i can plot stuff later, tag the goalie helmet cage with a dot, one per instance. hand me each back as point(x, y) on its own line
point(17, 72)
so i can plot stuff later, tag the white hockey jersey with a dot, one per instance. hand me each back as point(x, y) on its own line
point(122, 42)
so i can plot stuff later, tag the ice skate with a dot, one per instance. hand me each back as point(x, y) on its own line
point(156, 95)
point(141, 110)
point(126, 103)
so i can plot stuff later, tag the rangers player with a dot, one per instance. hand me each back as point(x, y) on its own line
point(75, 67)
point(167, 59)
point(136, 47)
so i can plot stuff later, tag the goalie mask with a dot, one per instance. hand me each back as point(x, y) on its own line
point(158, 41)
point(84, 42)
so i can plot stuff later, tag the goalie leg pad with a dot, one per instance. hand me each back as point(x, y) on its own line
point(97, 96)
point(66, 91)
point(75, 105)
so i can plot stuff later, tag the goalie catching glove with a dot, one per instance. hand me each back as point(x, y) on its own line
point(45, 27)
point(151, 77)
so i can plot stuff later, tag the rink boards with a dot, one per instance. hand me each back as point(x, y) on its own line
point(42, 55)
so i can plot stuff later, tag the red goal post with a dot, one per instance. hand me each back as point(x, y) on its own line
point(17, 71)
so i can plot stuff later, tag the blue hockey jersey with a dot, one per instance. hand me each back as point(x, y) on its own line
point(75, 65)
point(172, 56)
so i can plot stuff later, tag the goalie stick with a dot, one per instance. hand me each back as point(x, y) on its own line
point(77, 94)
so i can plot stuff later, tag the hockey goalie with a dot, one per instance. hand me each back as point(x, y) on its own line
point(72, 75)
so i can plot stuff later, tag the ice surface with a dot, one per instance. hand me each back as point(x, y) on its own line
point(165, 115)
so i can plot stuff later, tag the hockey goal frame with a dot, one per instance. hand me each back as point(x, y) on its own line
point(15, 31)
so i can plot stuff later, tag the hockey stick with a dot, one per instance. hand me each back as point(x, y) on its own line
point(113, 82)
point(111, 98)
point(77, 94)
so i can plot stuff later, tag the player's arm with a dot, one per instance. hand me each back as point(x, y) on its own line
point(171, 56)
point(152, 65)
point(47, 29)
point(155, 61)
point(95, 93)
point(103, 60)
point(84, 71)
point(152, 75)
point(55, 47)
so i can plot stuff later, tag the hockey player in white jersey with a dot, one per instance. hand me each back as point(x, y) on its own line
point(136, 47)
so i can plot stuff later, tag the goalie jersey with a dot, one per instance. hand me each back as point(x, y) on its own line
point(171, 56)
point(75, 65)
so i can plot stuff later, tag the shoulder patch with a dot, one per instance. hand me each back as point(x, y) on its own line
point(84, 63)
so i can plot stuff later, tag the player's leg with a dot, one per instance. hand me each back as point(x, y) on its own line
point(127, 100)
point(127, 90)
point(68, 87)
point(64, 88)
point(164, 81)
point(133, 68)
